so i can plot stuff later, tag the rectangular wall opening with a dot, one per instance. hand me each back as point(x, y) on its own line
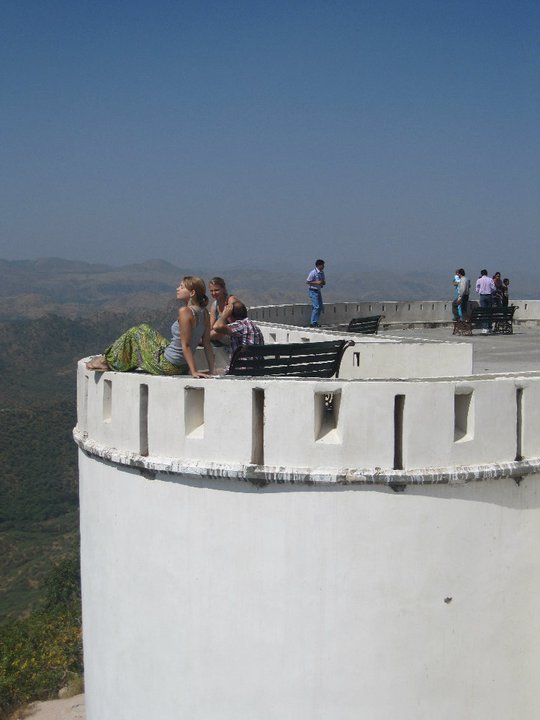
point(273, 337)
point(399, 410)
point(356, 359)
point(143, 419)
point(194, 412)
point(327, 406)
point(257, 427)
point(519, 424)
point(463, 415)
point(107, 400)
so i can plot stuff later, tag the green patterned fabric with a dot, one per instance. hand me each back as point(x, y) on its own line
point(142, 347)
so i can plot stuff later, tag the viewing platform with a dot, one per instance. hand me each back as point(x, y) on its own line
point(519, 352)
point(411, 405)
point(309, 549)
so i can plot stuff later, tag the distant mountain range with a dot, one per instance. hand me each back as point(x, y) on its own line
point(34, 288)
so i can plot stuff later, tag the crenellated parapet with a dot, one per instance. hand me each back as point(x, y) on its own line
point(398, 313)
point(368, 425)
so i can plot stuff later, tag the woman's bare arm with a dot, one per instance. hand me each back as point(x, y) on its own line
point(213, 314)
point(185, 321)
point(208, 351)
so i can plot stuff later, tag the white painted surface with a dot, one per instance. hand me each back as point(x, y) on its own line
point(377, 357)
point(217, 600)
point(210, 598)
point(111, 416)
point(395, 312)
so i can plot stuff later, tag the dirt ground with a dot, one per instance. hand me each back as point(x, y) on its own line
point(66, 709)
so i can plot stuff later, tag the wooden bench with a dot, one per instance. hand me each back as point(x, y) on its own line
point(365, 325)
point(498, 317)
point(309, 359)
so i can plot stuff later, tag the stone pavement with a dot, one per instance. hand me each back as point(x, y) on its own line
point(491, 353)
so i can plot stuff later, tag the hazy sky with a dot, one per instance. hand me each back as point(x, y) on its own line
point(399, 133)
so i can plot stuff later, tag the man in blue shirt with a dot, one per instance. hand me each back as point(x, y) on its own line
point(315, 282)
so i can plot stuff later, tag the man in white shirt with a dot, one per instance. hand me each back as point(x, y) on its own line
point(485, 287)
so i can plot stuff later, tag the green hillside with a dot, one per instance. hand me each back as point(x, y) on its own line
point(38, 458)
point(38, 501)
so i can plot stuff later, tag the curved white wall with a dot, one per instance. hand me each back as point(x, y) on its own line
point(251, 551)
point(395, 312)
point(442, 429)
point(373, 356)
point(217, 600)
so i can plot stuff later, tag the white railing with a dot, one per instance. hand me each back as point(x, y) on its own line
point(395, 312)
point(425, 430)
point(377, 357)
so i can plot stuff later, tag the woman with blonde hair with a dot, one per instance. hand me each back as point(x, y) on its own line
point(142, 347)
point(220, 298)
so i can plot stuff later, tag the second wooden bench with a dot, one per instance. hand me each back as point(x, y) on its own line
point(365, 325)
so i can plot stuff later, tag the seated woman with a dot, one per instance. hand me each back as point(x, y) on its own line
point(144, 348)
point(220, 298)
point(505, 292)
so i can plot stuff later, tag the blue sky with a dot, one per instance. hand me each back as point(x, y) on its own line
point(393, 134)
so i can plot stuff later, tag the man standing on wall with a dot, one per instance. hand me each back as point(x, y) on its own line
point(315, 282)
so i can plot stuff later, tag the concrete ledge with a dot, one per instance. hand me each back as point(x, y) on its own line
point(265, 475)
point(396, 312)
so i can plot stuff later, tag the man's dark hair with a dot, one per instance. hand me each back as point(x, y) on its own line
point(461, 271)
point(483, 272)
point(239, 310)
point(319, 262)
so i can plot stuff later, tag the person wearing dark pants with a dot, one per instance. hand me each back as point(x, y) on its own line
point(485, 287)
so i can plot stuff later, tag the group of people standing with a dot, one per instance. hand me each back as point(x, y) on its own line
point(144, 348)
point(491, 290)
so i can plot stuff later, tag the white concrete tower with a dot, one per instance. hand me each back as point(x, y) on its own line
point(281, 549)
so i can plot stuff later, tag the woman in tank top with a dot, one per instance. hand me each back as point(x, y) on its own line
point(220, 298)
point(142, 347)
